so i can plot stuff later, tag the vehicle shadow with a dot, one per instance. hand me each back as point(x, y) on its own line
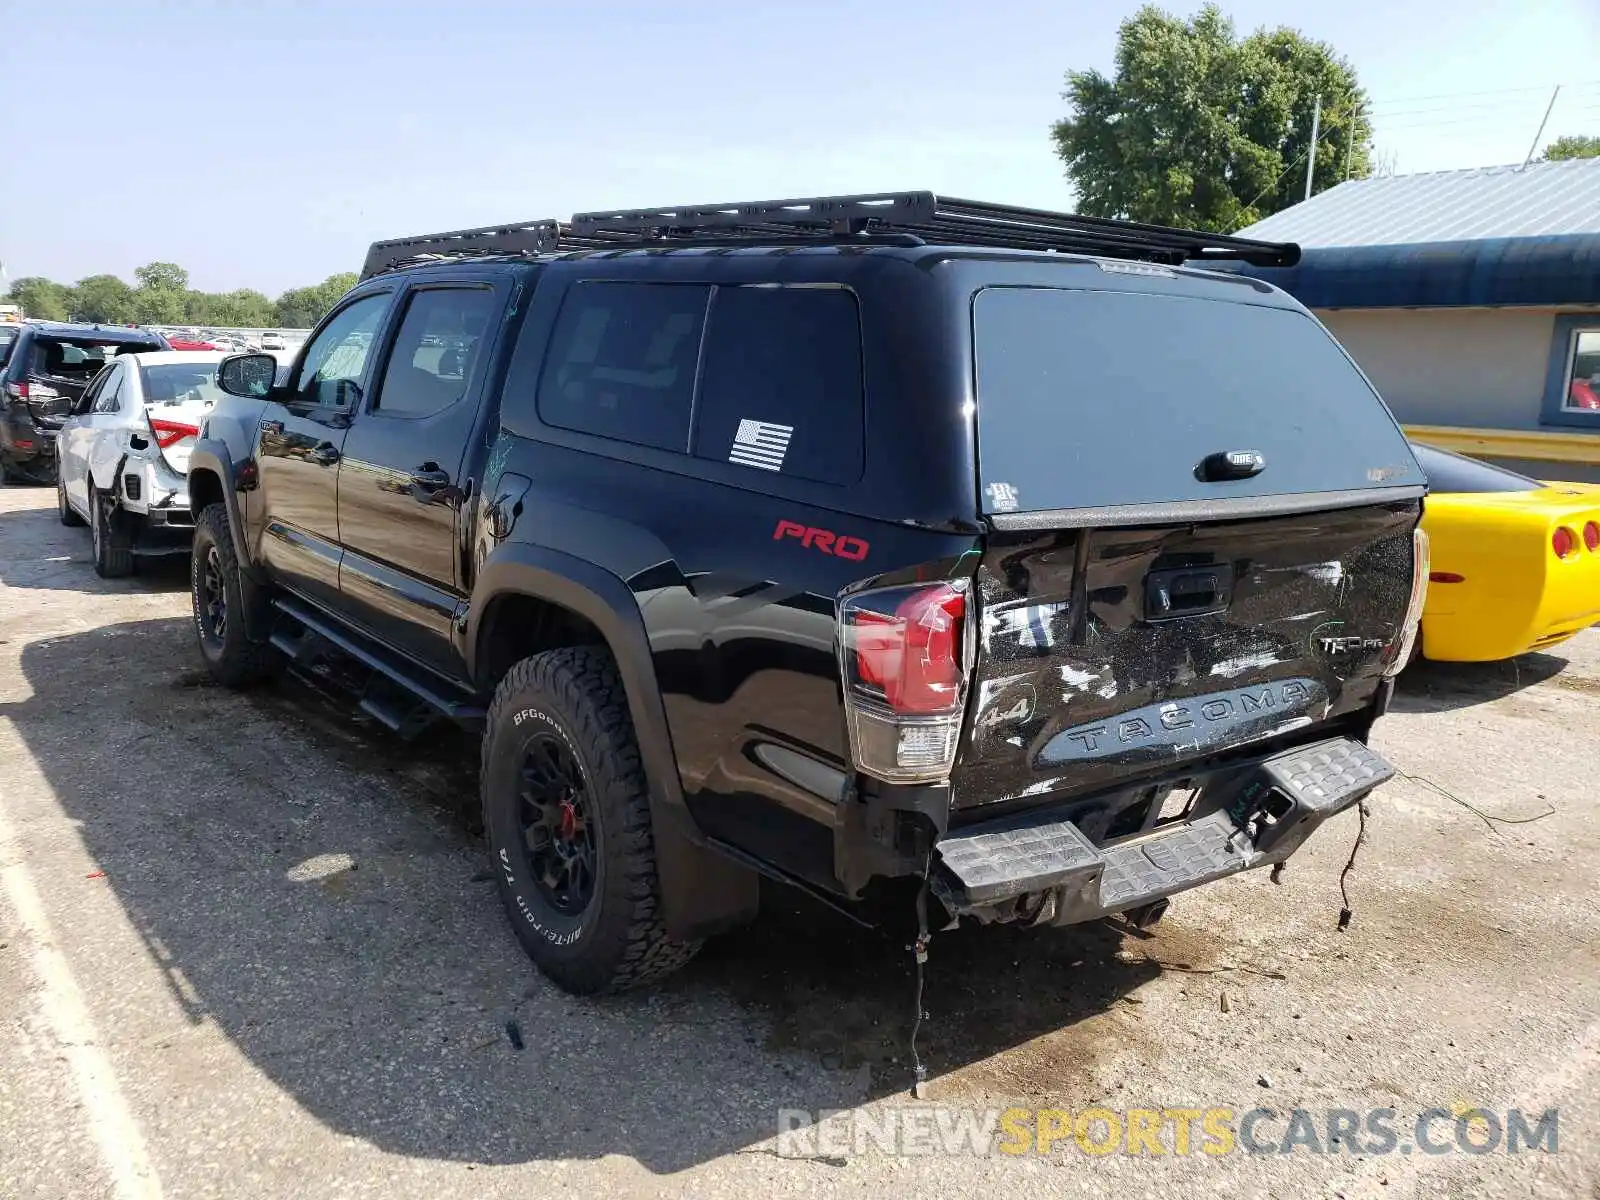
point(43, 553)
point(1429, 687)
point(307, 889)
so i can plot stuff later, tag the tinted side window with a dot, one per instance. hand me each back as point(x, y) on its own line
point(434, 352)
point(781, 386)
point(335, 360)
point(622, 362)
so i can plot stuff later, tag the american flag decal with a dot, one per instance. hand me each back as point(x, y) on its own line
point(761, 444)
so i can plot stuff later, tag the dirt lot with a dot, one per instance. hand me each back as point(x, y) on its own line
point(248, 948)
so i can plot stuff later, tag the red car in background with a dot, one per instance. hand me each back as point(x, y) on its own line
point(181, 344)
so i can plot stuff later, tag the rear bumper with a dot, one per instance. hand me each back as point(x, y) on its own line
point(23, 442)
point(1043, 870)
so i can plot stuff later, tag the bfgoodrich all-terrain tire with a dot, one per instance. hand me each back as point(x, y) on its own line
point(221, 595)
point(566, 813)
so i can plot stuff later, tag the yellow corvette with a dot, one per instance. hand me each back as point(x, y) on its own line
point(1515, 562)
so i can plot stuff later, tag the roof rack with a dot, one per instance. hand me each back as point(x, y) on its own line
point(519, 237)
point(935, 220)
point(896, 217)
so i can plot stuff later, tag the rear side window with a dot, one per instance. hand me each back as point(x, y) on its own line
point(781, 385)
point(1449, 472)
point(1088, 399)
point(622, 361)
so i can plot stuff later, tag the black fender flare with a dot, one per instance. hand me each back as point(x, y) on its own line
point(212, 455)
point(702, 892)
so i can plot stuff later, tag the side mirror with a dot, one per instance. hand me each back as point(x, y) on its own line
point(247, 375)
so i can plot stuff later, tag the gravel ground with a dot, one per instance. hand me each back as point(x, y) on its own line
point(249, 947)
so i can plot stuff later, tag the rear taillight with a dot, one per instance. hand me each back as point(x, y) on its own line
point(1445, 577)
point(170, 433)
point(904, 654)
point(1591, 536)
point(1419, 593)
point(17, 391)
point(1564, 542)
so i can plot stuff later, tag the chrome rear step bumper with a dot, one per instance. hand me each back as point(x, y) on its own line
point(1041, 869)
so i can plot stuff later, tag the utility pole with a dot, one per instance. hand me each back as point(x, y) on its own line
point(1316, 128)
point(1350, 148)
point(1548, 109)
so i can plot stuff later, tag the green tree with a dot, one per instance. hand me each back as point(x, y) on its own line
point(246, 308)
point(1199, 128)
point(243, 308)
point(1573, 145)
point(42, 299)
point(299, 308)
point(104, 299)
point(162, 277)
point(157, 306)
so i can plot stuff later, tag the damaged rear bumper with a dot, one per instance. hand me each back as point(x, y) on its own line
point(1041, 869)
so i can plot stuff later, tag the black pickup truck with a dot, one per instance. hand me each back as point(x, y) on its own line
point(893, 545)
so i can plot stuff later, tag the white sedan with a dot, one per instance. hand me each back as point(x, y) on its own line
point(124, 454)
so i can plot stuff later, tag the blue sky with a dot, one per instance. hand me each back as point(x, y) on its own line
point(265, 144)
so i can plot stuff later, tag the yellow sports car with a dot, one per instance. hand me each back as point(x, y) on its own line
point(1515, 562)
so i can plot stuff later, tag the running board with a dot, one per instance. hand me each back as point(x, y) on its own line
point(295, 648)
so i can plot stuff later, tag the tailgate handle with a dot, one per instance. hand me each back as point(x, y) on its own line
point(1230, 464)
point(1185, 592)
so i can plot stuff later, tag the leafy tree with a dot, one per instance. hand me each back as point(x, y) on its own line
point(161, 277)
point(104, 299)
point(1573, 145)
point(243, 308)
point(1198, 128)
point(42, 299)
point(303, 307)
point(163, 297)
point(157, 306)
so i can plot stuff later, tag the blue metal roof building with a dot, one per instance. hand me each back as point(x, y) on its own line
point(1471, 298)
point(1538, 200)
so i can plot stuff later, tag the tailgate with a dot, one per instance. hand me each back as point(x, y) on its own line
point(1108, 656)
point(1201, 533)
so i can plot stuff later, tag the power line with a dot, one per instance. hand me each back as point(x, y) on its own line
point(1541, 89)
point(1492, 105)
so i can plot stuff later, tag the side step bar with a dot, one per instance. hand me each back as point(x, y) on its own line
point(1042, 868)
point(297, 650)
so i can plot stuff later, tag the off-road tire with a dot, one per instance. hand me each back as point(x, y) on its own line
point(69, 515)
point(618, 940)
point(112, 539)
point(234, 659)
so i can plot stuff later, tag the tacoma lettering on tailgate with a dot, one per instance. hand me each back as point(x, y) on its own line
point(1213, 721)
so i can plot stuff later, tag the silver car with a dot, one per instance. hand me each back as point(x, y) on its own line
point(124, 454)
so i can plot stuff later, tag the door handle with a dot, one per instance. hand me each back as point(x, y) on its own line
point(272, 427)
point(325, 455)
point(430, 479)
